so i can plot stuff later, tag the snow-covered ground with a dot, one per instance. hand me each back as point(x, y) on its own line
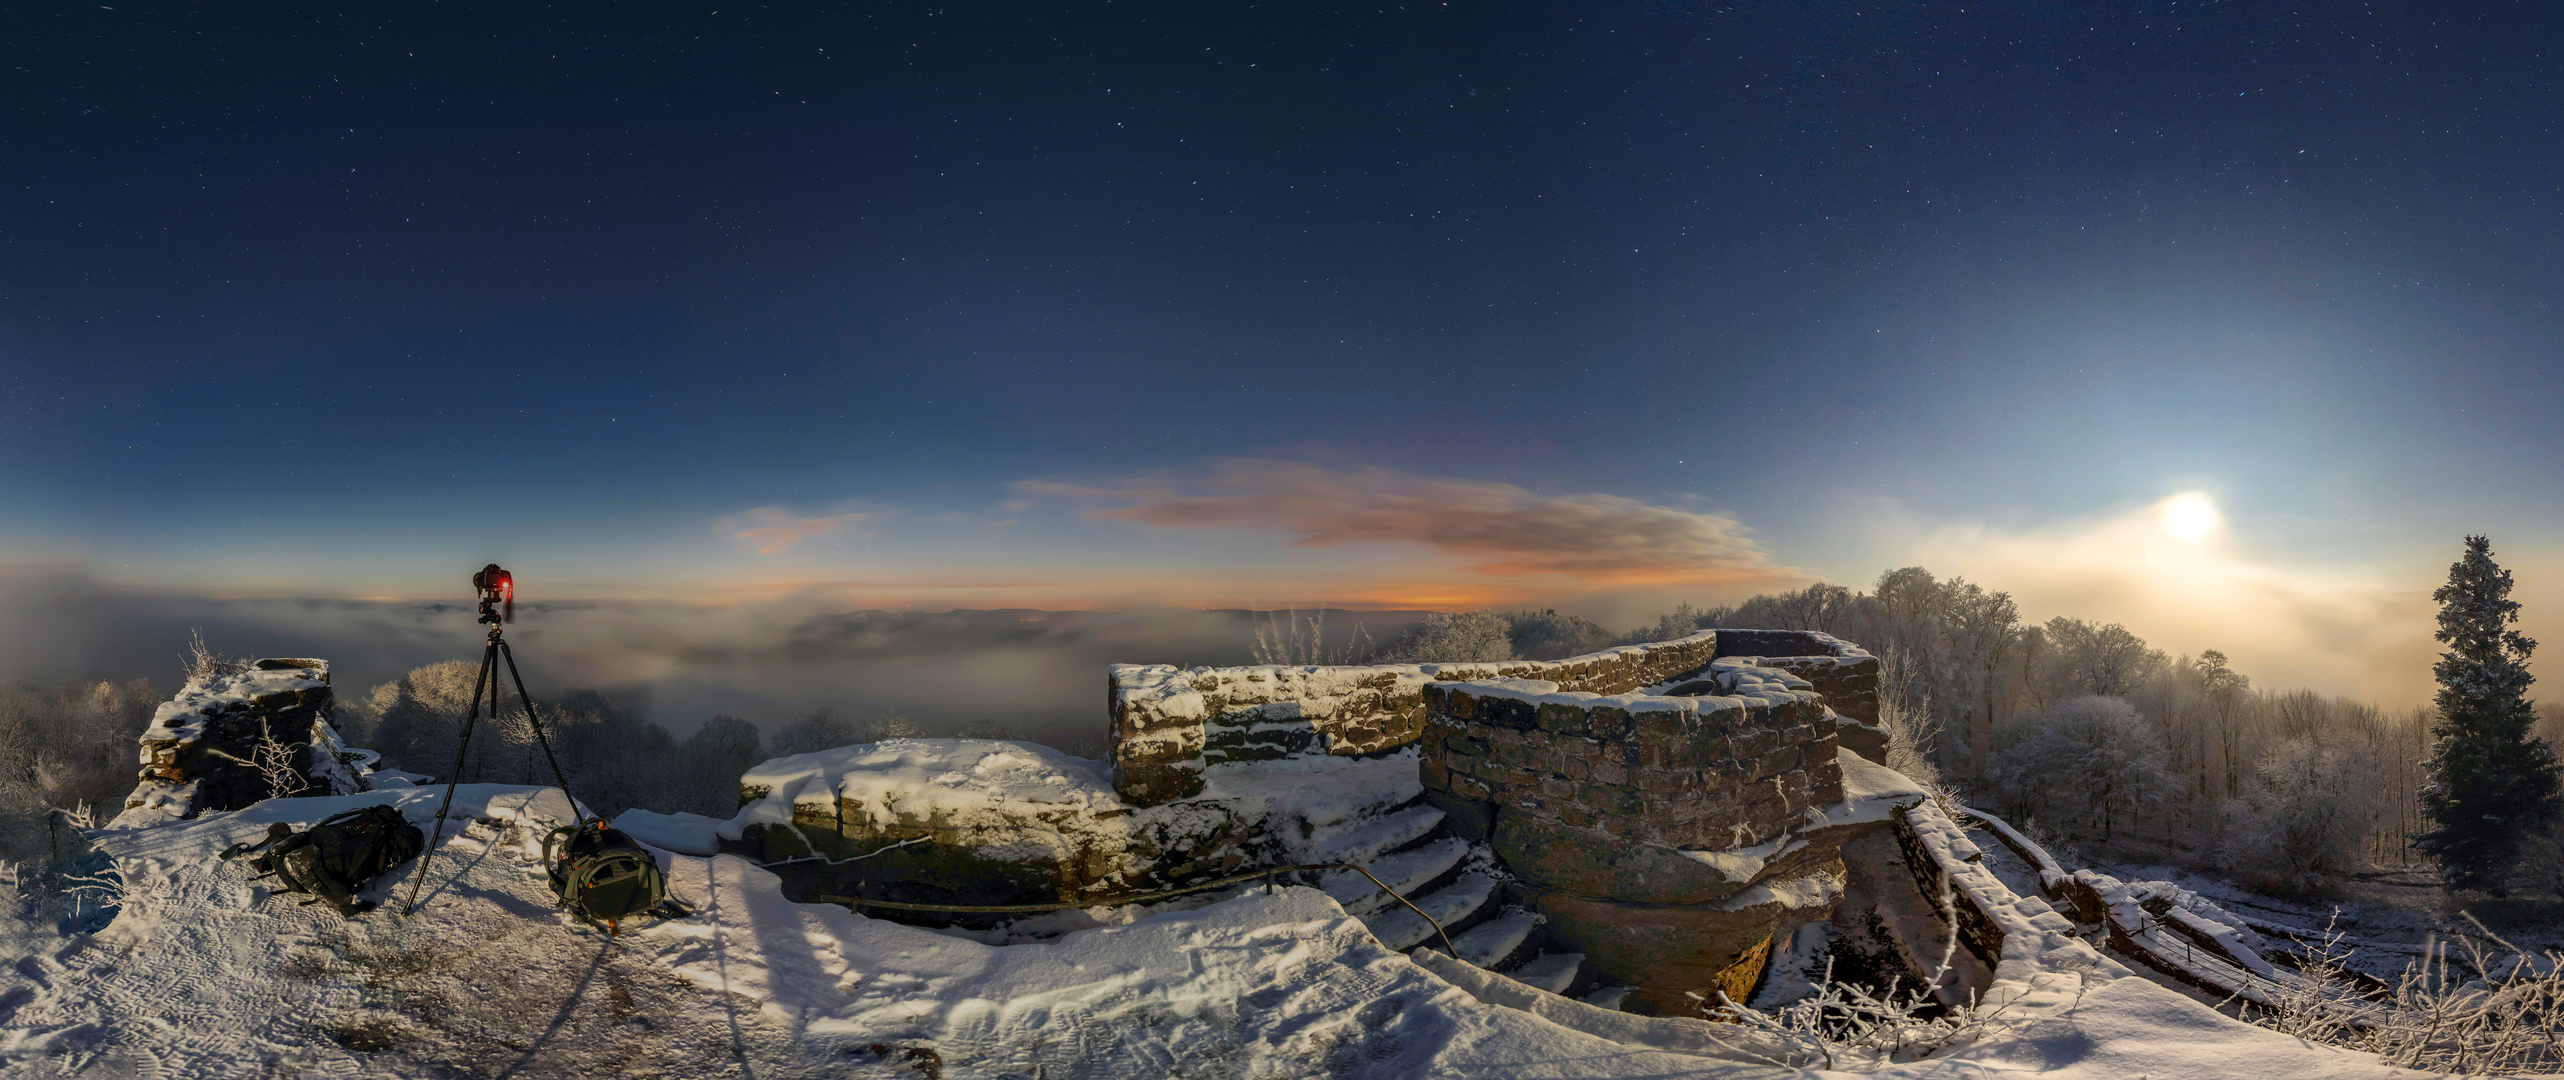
point(205, 974)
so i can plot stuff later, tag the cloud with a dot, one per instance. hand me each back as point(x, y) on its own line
point(1039, 672)
point(2171, 572)
point(1503, 528)
point(774, 530)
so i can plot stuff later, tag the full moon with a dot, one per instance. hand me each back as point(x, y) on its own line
point(2190, 517)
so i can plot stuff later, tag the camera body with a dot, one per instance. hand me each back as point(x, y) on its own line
point(498, 594)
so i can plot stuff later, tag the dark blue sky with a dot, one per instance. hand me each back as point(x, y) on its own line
point(350, 303)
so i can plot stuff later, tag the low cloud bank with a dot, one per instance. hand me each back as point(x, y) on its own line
point(1041, 673)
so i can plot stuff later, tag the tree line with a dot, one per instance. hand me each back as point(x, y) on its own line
point(2082, 731)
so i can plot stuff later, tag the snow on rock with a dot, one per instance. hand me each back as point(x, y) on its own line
point(2052, 876)
point(1871, 792)
point(683, 833)
point(1035, 820)
point(1261, 985)
point(929, 777)
point(1747, 694)
point(199, 751)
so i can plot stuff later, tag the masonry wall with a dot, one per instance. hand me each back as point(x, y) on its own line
point(1728, 772)
point(1169, 724)
point(1666, 835)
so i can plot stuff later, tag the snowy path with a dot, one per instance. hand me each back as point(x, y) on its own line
point(204, 975)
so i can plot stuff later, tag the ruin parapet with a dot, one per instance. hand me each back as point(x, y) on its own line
point(1170, 724)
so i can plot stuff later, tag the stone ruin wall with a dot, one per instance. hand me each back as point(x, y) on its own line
point(1169, 724)
point(1668, 837)
point(1734, 774)
point(198, 753)
point(1665, 835)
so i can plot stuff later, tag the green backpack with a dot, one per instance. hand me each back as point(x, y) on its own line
point(603, 877)
point(337, 858)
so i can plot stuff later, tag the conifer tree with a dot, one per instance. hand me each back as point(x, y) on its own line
point(2491, 780)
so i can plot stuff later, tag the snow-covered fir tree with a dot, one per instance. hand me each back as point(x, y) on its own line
point(2492, 780)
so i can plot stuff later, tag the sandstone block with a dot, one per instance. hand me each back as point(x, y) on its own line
point(1556, 857)
point(1151, 784)
point(1665, 952)
point(1569, 719)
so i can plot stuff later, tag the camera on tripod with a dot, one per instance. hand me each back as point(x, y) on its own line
point(498, 594)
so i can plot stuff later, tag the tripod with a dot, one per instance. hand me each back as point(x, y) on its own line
point(498, 602)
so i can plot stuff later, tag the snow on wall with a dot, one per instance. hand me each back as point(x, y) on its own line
point(2031, 946)
point(197, 753)
point(1170, 724)
point(1710, 773)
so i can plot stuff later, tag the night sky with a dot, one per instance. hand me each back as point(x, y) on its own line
point(1227, 304)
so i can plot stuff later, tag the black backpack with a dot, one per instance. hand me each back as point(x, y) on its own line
point(337, 858)
point(603, 877)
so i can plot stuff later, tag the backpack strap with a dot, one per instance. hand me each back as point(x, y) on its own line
point(275, 831)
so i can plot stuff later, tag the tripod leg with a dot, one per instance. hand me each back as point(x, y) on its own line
point(536, 723)
point(490, 676)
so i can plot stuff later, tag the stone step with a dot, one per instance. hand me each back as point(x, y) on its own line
point(1554, 972)
point(1492, 942)
point(1404, 872)
point(1608, 997)
point(1398, 928)
point(1366, 841)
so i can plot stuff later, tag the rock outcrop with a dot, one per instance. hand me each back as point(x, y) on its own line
point(203, 749)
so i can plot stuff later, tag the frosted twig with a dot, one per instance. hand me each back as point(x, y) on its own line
point(815, 856)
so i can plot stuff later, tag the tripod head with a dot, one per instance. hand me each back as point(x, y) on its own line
point(498, 595)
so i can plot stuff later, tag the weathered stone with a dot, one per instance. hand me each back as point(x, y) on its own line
point(1151, 784)
point(1776, 762)
point(1664, 952)
point(197, 753)
point(1554, 857)
point(1469, 816)
point(1567, 719)
point(1862, 739)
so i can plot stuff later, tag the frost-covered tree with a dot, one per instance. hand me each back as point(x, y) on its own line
point(1458, 637)
point(2104, 660)
point(816, 729)
point(419, 719)
point(1905, 713)
point(1548, 635)
point(821, 728)
point(715, 755)
point(2089, 760)
point(1979, 626)
point(2307, 810)
point(1683, 621)
point(2492, 779)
